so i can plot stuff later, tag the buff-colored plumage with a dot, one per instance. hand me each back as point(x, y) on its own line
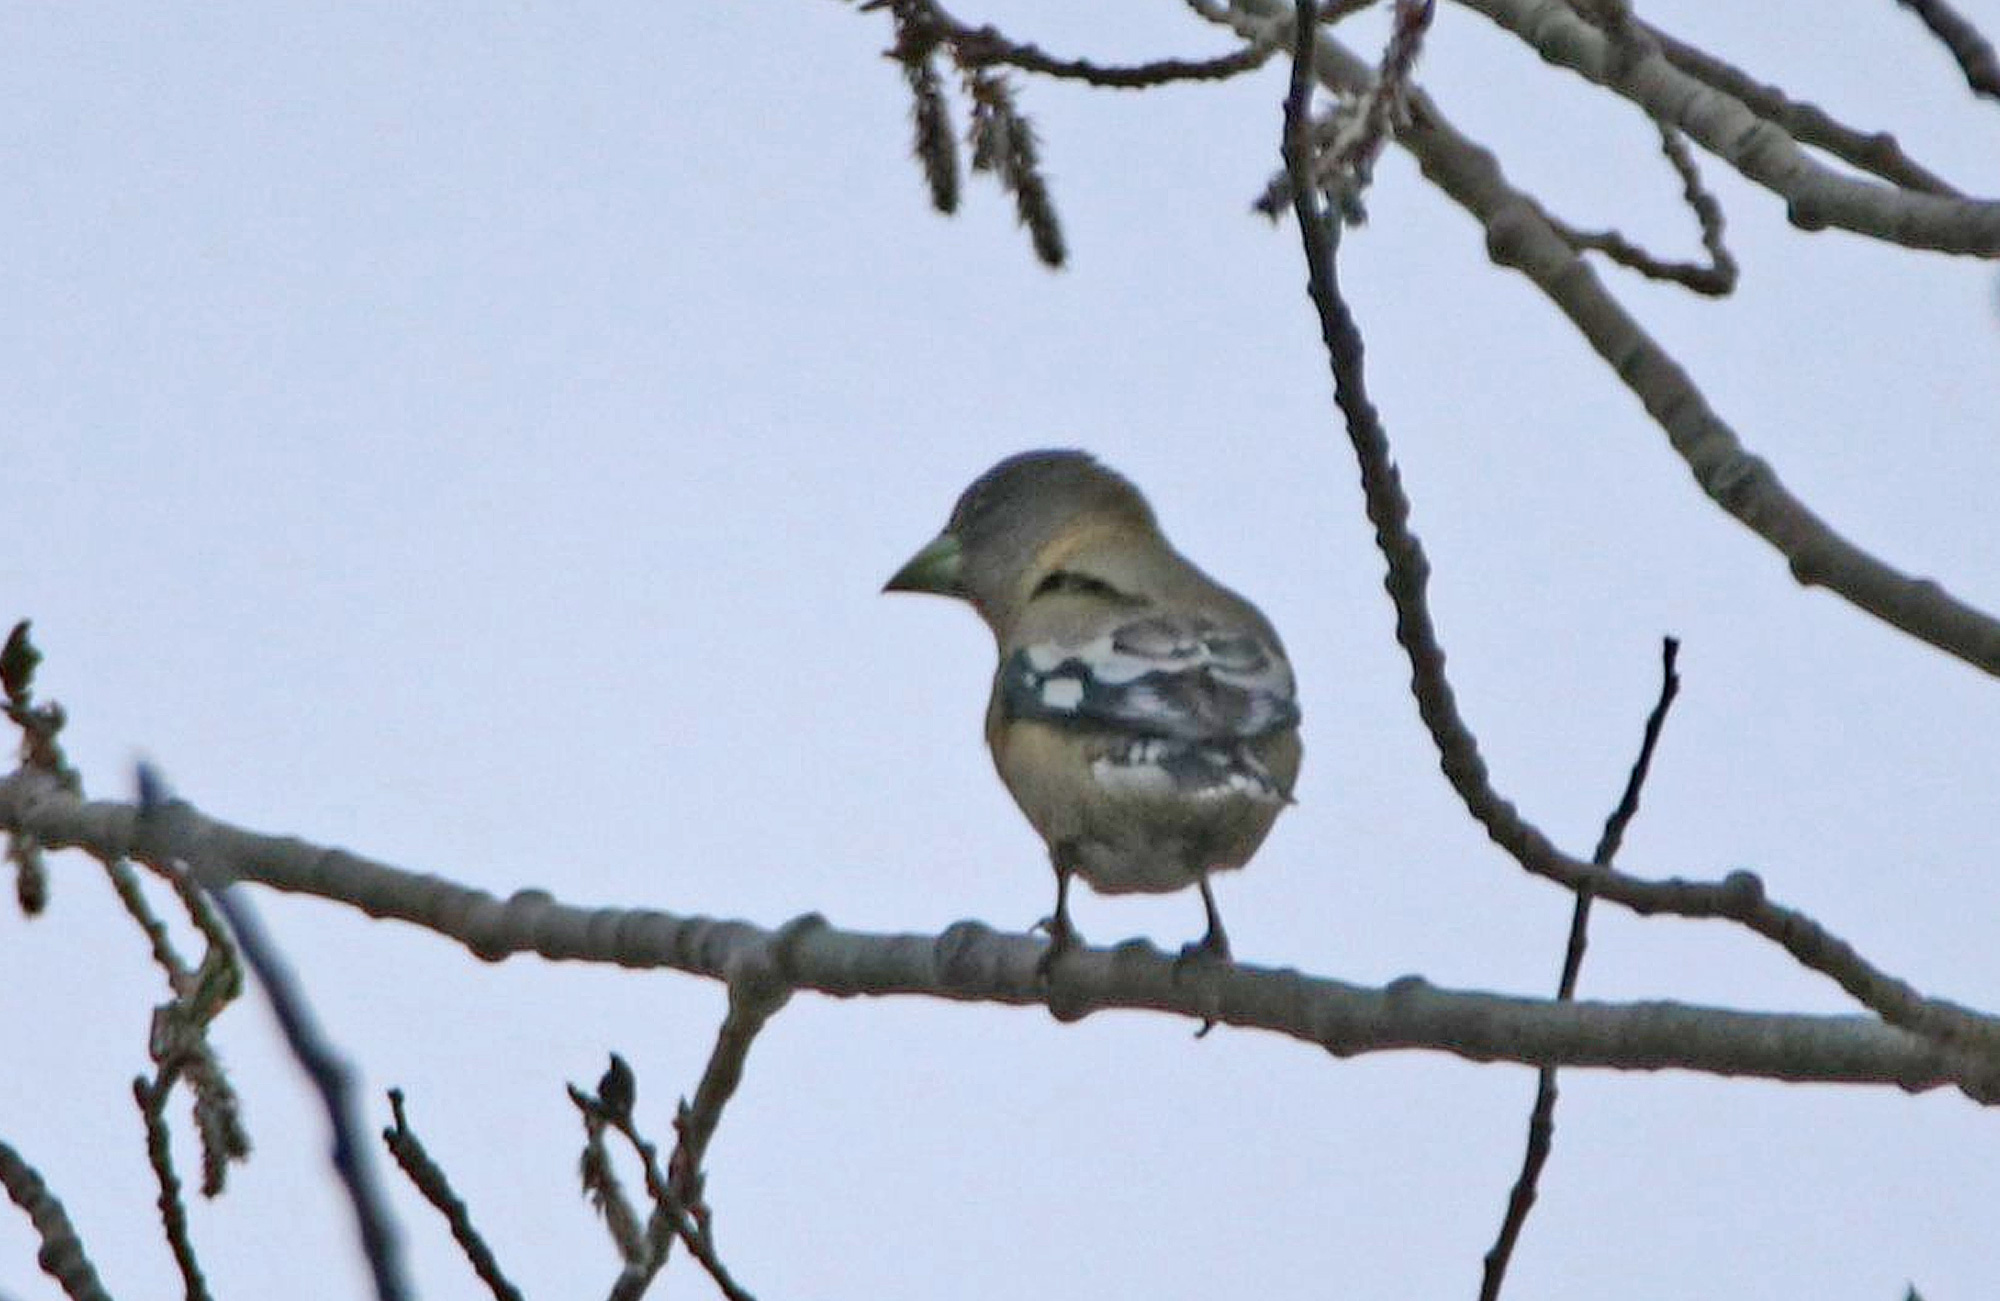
point(1143, 716)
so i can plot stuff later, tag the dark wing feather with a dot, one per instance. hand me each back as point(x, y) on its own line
point(1183, 678)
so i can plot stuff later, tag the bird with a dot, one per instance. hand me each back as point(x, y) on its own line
point(1143, 716)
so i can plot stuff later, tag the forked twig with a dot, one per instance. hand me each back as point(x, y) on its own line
point(1541, 1117)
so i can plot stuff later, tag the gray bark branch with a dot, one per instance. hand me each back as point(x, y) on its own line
point(973, 963)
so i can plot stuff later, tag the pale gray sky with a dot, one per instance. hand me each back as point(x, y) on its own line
point(475, 434)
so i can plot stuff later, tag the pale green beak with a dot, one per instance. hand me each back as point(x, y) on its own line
point(934, 569)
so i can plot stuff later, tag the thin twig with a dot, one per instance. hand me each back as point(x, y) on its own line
point(976, 47)
point(1621, 817)
point(701, 1245)
point(431, 1181)
point(756, 992)
point(1541, 1118)
point(125, 882)
point(1633, 43)
point(983, 46)
point(152, 1099)
point(62, 1256)
point(181, 1052)
point(179, 1044)
point(1386, 101)
point(1973, 52)
point(1716, 278)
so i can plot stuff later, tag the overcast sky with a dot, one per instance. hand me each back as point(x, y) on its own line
point(475, 434)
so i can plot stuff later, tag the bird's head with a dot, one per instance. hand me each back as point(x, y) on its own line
point(1013, 518)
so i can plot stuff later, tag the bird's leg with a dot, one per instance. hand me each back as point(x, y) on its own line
point(1214, 944)
point(1062, 935)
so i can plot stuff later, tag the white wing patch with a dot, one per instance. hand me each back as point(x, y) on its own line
point(1181, 698)
point(1187, 678)
point(1062, 694)
point(1157, 767)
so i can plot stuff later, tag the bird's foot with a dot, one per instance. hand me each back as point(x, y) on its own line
point(1212, 947)
point(1210, 951)
point(1062, 938)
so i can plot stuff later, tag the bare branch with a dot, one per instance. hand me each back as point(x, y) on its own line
point(125, 882)
point(971, 962)
point(1973, 52)
point(1541, 1117)
point(1816, 197)
point(152, 1099)
point(978, 47)
point(1875, 152)
point(701, 1245)
point(62, 1256)
point(756, 991)
point(1519, 236)
point(1715, 279)
point(1621, 817)
point(431, 1181)
point(1738, 481)
point(181, 1051)
point(1741, 895)
point(1334, 168)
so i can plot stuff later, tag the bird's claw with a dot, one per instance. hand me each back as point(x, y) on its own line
point(1062, 938)
point(1210, 948)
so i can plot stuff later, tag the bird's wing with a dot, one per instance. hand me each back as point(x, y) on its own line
point(1176, 677)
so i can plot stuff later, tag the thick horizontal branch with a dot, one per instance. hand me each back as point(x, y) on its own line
point(973, 963)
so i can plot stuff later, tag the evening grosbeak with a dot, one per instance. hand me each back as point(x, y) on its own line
point(1143, 716)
